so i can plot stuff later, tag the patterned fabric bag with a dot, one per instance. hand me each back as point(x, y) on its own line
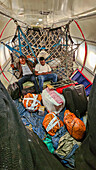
point(52, 100)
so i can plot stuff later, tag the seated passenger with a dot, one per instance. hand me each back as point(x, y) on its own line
point(25, 68)
point(43, 71)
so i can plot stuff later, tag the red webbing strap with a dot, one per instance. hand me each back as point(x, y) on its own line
point(85, 45)
point(0, 37)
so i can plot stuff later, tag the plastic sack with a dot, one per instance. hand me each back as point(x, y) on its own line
point(52, 123)
point(49, 144)
point(74, 125)
point(32, 102)
point(52, 100)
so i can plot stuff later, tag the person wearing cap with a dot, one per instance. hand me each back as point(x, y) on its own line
point(43, 73)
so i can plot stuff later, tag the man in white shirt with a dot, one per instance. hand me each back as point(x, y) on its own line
point(43, 71)
point(25, 68)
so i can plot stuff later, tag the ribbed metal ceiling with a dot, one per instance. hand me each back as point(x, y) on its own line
point(50, 13)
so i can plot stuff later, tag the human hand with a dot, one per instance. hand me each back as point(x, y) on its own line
point(12, 65)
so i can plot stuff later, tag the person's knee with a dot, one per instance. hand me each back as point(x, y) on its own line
point(19, 82)
point(33, 79)
point(54, 77)
point(41, 78)
point(55, 74)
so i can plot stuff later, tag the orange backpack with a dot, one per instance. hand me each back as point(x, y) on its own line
point(32, 102)
point(74, 125)
point(52, 123)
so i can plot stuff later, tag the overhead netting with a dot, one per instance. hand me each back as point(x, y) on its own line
point(55, 45)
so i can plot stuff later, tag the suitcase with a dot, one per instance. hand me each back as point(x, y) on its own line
point(76, 100)
point(60, 89)
point(13, 90)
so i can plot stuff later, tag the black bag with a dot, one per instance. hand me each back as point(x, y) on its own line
point(13, 90)
point(28, 90)
point(76, 99)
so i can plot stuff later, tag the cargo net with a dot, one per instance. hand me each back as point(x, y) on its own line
point(55, 45)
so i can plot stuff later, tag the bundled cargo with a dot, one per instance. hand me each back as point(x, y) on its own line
point(52, 123)
point(74, 125)
point(32, 102)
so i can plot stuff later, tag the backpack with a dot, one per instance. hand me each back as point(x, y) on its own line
point(13, 90)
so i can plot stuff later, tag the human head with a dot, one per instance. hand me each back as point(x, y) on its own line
point(42, 61)
point(22, 59)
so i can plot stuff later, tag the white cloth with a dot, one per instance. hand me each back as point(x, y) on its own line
point(26, 70)
point(41, 69)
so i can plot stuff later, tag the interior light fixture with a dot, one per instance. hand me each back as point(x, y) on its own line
point(45, 12)
point(37, 23)
point(40, 19)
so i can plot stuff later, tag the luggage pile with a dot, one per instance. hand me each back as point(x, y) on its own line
point(57, 119)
